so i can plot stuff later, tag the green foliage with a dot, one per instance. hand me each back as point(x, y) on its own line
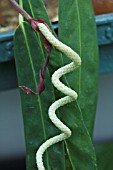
point(75, 30)
point(36, 122)
point(78, 24)
point(104, 153)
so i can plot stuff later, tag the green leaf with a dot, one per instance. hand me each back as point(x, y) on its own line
point(104, 154)
point(34, 58)
point(29, 58)
point(77, 29)
point(76, 24)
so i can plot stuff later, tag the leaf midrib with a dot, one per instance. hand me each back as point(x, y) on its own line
point(38, 98)
point(80, 50)
point(79, 88)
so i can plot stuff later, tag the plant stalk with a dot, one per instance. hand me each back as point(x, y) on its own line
point(20, 10)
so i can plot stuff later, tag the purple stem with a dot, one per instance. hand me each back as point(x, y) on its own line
point(41, 85)
point(47, 61)
point(20, 10)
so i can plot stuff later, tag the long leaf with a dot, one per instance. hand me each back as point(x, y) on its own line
point(79, 148)
point(76, 24)
point(25, 33)
point(77, 29)
point(38, 128)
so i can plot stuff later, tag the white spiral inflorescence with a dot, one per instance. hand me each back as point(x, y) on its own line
point(71, 95)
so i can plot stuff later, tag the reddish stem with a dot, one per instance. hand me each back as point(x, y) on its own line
point(20, 10)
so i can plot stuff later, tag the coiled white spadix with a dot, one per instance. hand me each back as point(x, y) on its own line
point(71, 95)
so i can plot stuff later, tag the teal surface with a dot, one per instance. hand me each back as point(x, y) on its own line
point(105, 42)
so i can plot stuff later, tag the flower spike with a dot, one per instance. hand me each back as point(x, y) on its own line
point(49, 40)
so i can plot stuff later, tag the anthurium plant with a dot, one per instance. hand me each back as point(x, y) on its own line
point(58, 108)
